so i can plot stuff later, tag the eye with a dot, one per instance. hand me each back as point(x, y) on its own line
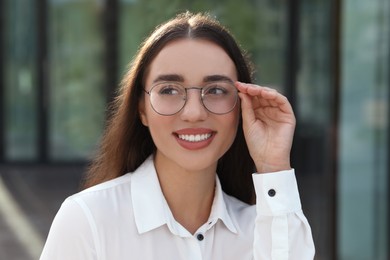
point(217, 89)
point(168, 91)
point(171, 89)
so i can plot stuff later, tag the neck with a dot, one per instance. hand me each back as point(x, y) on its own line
point(189, 194)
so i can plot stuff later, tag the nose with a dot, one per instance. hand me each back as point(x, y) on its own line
point(193, 110)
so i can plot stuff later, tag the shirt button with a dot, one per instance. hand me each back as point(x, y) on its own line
point(200, 237)
point(271, 192)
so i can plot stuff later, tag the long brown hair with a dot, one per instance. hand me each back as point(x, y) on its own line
point(126, 142)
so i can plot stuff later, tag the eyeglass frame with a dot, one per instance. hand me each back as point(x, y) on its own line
point(186, 97)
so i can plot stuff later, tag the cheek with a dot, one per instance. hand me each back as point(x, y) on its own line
point(158, 125)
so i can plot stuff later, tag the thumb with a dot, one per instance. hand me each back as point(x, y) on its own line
point(248, 115)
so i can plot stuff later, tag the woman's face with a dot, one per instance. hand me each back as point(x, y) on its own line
point(194, 138)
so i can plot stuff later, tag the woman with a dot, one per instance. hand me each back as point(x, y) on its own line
point(186, 111)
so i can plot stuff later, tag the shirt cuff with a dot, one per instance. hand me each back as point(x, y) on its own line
point(276, 193)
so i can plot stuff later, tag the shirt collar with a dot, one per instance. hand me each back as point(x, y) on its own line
point(219, 210)
point(151, 209)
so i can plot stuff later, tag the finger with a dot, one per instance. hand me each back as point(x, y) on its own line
point(265, 96)
point(264, 100)
point(285, 106)
point(276, 99)
point(248, 114)
point(258, 91)
point(247, 88)
point(259, 102)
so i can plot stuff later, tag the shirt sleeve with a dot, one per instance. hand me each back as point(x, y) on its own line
point(71, 235)
point(282, 232)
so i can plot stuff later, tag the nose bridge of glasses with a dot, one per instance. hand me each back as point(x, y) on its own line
point(198, 98)
point(187, 91)
point(193, 88)
point(193, 108)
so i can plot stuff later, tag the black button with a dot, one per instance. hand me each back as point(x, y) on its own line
point(271, 192)
point(200, 237)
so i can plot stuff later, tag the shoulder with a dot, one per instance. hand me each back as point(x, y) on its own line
point(76, 231)
point(104, 196)
point(94, 211)
point(110, 197)
point(108, 185)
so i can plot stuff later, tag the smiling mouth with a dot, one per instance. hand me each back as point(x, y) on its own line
point(195, 138)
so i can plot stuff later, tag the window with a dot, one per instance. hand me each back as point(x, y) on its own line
point(363, 173)
point(76, 78)
point(315, 107)
point(20, 80)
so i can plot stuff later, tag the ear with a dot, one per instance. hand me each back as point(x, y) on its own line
point(141, 111)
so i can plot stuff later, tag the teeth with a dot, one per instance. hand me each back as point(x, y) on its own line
point(195, 138)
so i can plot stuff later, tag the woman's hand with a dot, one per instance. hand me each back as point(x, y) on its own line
point(268, 124)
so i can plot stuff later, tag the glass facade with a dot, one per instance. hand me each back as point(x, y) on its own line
point(76, 78)
point(363, 202)
point(331, 58)
point(315, 109)
point(20, 80)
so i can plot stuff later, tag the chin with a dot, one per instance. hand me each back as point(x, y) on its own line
point(200, 162)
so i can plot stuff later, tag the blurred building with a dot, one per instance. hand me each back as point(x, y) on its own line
point(61, 62)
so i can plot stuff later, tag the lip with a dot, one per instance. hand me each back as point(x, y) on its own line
point(197, 138)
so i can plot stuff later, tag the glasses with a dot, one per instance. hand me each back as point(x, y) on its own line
point(168, 98)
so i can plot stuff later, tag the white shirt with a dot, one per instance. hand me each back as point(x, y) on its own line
point(129, 218)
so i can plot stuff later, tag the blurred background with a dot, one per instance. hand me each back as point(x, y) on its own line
point(61, 62)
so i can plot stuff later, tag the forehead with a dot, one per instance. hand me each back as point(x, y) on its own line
point(193, 59)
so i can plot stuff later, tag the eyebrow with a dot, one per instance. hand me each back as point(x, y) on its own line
point(169, 77)
point(213, 78)
point(179, 78)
